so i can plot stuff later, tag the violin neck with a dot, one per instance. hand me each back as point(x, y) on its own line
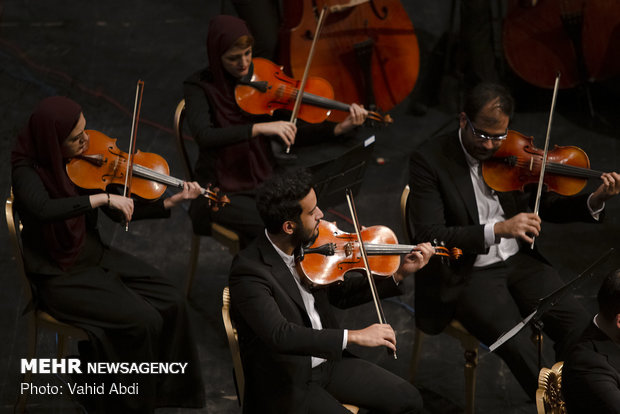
point(147, 173)
point(572, 171)
point(322, 102)
point(377, 249)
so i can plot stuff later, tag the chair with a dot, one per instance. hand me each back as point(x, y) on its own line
point(469, 343)
point(233, 344)
point(549, 398)
point(223, 235)
point(37, 319)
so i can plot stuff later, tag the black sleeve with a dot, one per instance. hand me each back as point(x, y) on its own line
point(428, 211)
point(310, 134)
point(253, 299)
point(142, 210)
point(560, 209)
point(199, 119)
point(32, 195)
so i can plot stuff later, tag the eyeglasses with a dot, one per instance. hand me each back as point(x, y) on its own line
point(485, 136)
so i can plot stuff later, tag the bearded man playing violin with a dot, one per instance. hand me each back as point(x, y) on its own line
point(500, 278)
point(294, 354)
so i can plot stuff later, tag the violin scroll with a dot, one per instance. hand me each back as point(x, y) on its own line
point(216, 200)
point(442, 251)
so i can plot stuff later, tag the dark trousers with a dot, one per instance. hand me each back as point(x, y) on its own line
point(495, 298)
point(131, 315)
point(362, 383)
point(240, 215)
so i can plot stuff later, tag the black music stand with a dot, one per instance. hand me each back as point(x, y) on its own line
point(544, 305)
point(338, 165)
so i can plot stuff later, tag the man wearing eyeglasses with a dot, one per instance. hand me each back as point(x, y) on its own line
point(499, 279)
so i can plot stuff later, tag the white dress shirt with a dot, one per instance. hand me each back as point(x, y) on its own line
point(307, 297)
point(490, 211)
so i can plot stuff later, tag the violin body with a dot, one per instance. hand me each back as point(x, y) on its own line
point(103, 163)
point(280, 92)
point(270, 89)
point(368, 50)
point(334, 252)
point(323, 269)
point(518, 163)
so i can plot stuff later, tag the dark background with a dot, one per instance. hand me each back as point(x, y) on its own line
point(94, 52)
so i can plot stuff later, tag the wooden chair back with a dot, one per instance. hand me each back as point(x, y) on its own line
point(549, 399)
point(36, 318)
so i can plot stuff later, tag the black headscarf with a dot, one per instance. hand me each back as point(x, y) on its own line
point(39, 145)
point(223, 33)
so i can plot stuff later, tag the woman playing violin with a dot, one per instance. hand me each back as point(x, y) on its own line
point(131, 312)
point(234, 148)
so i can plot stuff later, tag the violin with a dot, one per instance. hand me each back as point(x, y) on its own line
point(334, 252)
point(103, 163)
point(518, 162)
point(270, 89)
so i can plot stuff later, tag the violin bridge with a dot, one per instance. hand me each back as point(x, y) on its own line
point(348, 249)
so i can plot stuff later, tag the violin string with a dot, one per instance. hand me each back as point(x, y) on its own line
point(156, 176)
point(560, 169)
point(290, 93)
point(379, 248)
point(557, 167)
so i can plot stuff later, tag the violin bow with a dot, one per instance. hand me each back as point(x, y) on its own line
point(132, 141)
point(546, 150)
point(304, 78)
point(342, 7)
point(371, 281)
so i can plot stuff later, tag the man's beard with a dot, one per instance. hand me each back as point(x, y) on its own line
point(300, 238)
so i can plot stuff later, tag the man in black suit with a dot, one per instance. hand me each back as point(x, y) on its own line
point(591, 373)
point(499, 279)
point(293, 352)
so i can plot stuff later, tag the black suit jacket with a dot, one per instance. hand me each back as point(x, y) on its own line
point(442, 206)
point(275, 334)
point(591, 374)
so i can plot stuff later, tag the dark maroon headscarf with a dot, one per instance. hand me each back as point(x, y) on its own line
point(223, 33)
point(243, 165)
point(39, 145)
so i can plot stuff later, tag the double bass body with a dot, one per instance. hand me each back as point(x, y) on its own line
point(368, 50)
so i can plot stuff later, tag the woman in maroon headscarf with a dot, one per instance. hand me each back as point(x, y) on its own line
point(132, 313)
point(234, 149)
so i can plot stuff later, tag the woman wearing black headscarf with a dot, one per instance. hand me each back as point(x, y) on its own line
point(234, 151)
point(131, 312)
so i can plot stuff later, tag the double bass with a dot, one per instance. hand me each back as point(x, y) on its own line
point(578, 38)
point(367, 49)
